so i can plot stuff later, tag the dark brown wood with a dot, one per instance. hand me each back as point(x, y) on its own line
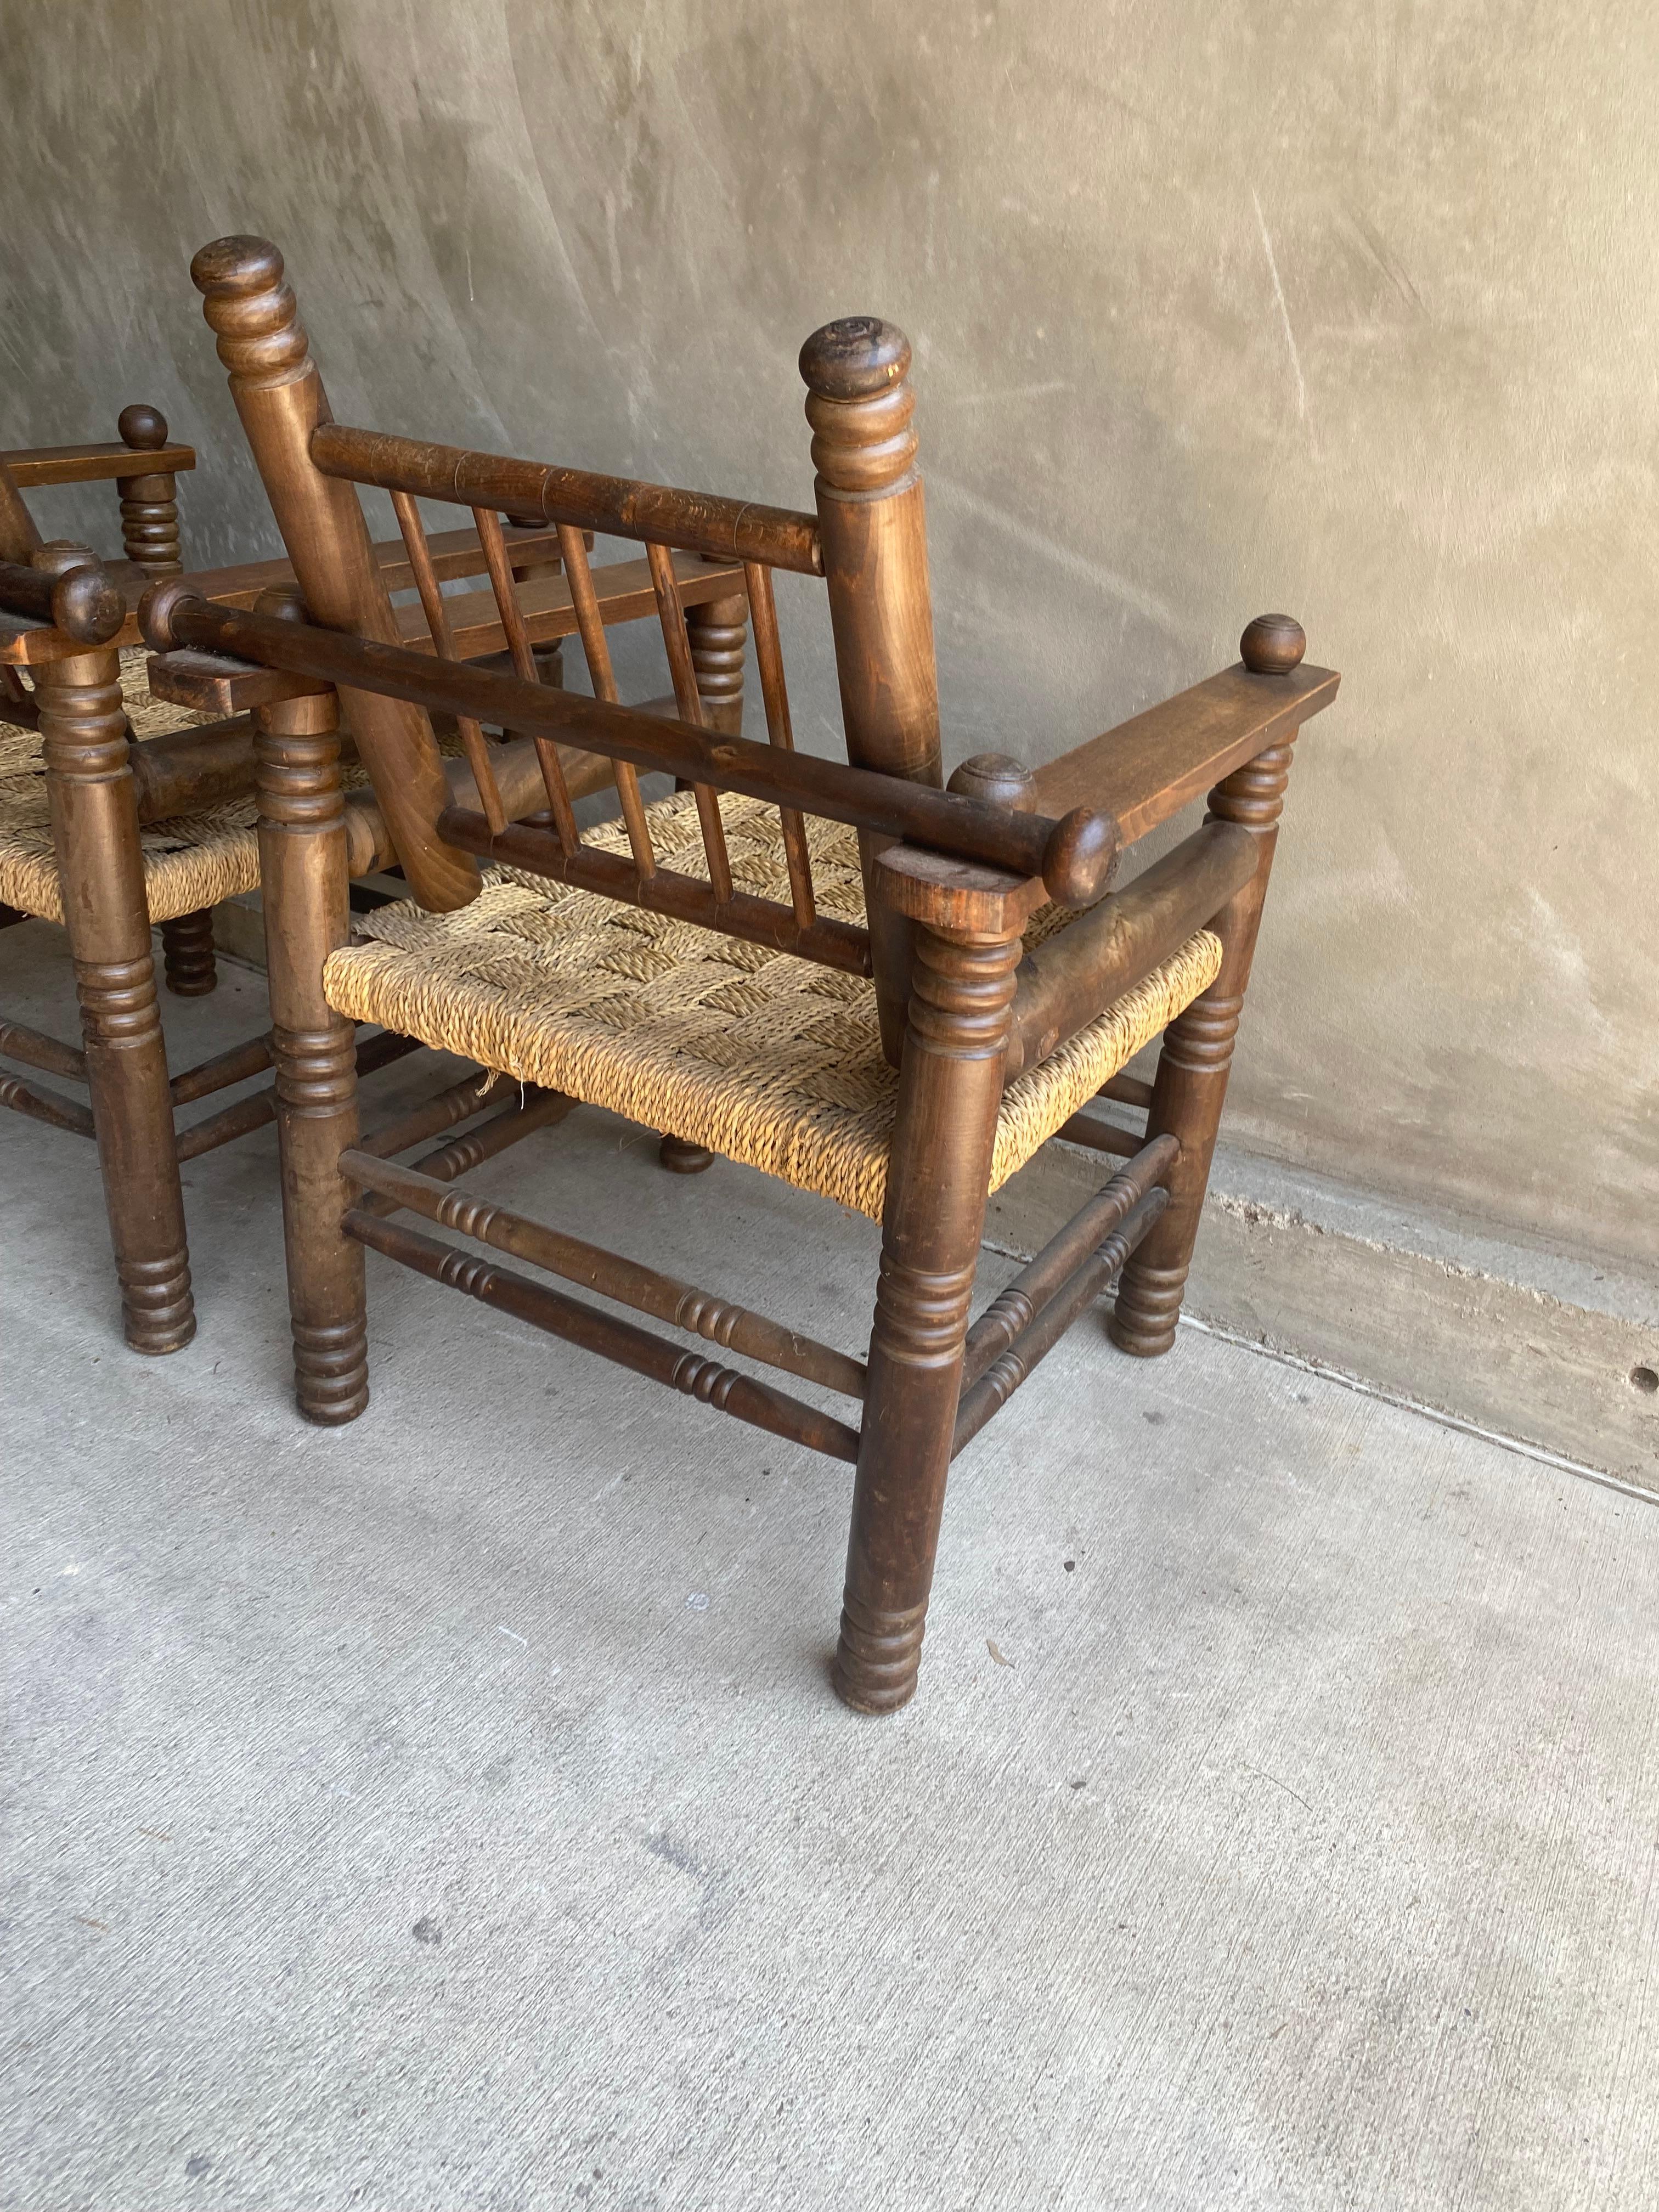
point(1014, 1308)
point(1074, 976)
point(19, 534)
point(454, 554)
point(252, 1057)
point(527, 1109)
point(424, 571)
point(629, 1282)
point(681, 1159)
point(1151, 766)
point(187, 947)
point(637, 1349)
point(1191, 1084)
point(677, 643)
point(459, 1102)
point(95, 833)
point(780, 732)
point(762, 921)
point(36, 1050)
point(186, 771)
point(1051, 1321)
point(44, 468)
point(718, 633)
point(938, 1172)
point(1126, 1090)
point(489, 526)
point(619, 506)
point(149, 506)
point(279, 397)
point(239, 1119)
point(1100, 1136)
point(1072, 857)
point(623, 590)
point(874, 536)
point(66, 587)
point(302, 873)
point(590, 620)
point(47, 1106)
point(217, 683)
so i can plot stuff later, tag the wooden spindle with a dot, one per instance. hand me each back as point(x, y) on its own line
point(279, 396)
point(413, 532)
point(149, 506)
point(677, 646)
point(489, 526)
point(768, 656)
point(874, 541)
point(187, 949)
point(590, 624)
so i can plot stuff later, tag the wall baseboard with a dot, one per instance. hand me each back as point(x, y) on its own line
point(1536, 1345)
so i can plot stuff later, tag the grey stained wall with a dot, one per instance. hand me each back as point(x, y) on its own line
point(1342, 308)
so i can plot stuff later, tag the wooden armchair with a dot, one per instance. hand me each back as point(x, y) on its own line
point(738, 966)
point(120, 813)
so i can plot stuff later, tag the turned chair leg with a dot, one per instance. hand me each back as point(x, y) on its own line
point(187, 954)
point(718, 631)
point(1191, 1084)
point(681, 1158)
point(149, 506)
point(950, 1089)
point(305, 894)
point(94, 817)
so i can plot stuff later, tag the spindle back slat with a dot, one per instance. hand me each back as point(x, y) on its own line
point(596, 647)
point(502, 583)
point(677, 642)
point(768, 656)
point(413, 532)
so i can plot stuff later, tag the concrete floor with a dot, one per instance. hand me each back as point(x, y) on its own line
point(452, 1812)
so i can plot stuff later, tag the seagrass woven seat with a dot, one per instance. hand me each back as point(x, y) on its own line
point(190, 863)
point(751, 1052)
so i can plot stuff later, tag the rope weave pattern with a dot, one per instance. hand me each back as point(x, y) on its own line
point(761, 1057)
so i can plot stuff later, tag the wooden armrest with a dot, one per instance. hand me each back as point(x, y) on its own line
point(36, 468)
point(455, 553)
point(1148, 768)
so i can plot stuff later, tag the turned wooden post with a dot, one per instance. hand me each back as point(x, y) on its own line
point(937, 1176)
point(94, 823)
point(305, 892)
point(150, 505)
point(279, 396)
point(187, 962)
point(1191, 1085)
point(719, 632)
point(874, 536)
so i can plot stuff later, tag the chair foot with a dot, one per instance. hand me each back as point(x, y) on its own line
point(1147, 1311)
point(158, 1312)
point(681, 1158)
point(331, 1372)
point(188, 955)
point(878, 1656)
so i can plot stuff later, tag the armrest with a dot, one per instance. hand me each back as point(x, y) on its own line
point(1148, 768)
point(455, 553)
point(36, 468)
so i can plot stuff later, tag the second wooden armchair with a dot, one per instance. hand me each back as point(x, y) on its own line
point(876, 990)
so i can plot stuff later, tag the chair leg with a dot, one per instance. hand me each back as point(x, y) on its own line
point(718, 632)
point(1191, 1084)
point(681, 1158)
point(306, 888)
point(187, 954)
point(950, 1088)
point(95, 817)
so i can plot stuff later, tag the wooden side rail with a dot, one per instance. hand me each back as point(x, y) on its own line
point(1151, 766)
point(1072, 856)
point(693, 522)
point(41, 468)
point(65, 589)
point(183, 771)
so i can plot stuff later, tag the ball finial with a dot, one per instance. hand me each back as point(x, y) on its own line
point(1272, 645)
point(159, 603)
point(855, 358)
point(997, 778)
point(236, 265)
point(142, 428)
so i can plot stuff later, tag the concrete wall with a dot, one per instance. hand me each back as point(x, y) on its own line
point(1344, 309)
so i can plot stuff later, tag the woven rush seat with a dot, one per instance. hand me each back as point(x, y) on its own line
point(763, 1057)
point(189, 864)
